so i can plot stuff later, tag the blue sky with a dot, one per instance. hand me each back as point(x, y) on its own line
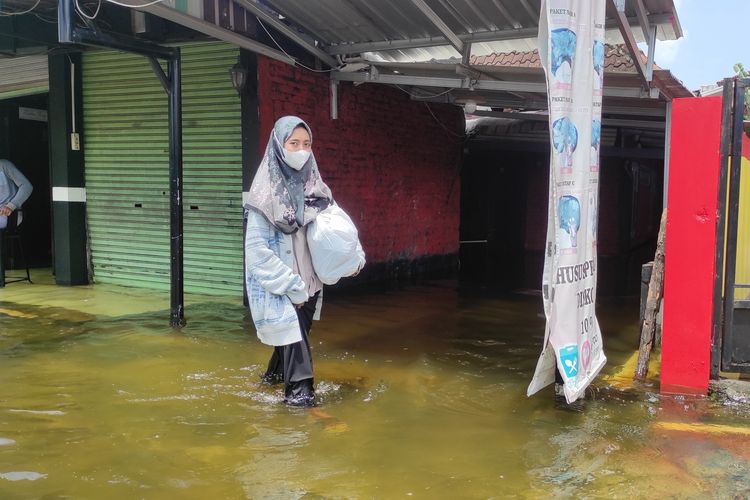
point(716, 36)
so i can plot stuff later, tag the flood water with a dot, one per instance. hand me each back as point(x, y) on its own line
point(422, 394)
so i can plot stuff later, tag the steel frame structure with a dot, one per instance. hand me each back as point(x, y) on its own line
point(69, 33)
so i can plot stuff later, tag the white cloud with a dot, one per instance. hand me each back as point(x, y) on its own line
point(667, 51)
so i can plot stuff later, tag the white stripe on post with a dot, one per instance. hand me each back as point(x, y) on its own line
point(69, 194)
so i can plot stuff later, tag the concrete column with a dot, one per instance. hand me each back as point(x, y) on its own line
point(67, 169)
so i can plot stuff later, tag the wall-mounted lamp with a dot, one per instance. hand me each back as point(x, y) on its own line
point(239, 78)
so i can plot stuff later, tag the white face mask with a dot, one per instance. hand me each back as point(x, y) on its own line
point(296, 159)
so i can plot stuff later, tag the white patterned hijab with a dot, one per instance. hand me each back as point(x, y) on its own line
point(288, 198)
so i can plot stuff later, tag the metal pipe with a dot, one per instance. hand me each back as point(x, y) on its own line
point(334, 100)
point(65, 21)
point(459, 83)
point(156, 67)
point(177, 301)
point(651, 53)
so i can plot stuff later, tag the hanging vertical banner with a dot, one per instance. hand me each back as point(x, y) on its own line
point(571, 48)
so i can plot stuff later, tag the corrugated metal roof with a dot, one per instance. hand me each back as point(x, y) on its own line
point(344, 25)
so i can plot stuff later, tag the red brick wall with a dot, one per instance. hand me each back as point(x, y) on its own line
point(389, 163)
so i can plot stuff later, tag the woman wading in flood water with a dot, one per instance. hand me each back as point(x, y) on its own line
point(284, 292)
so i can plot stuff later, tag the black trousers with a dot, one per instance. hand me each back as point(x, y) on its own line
point(294, 361)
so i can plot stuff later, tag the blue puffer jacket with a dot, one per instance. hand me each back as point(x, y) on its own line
point(272, 286)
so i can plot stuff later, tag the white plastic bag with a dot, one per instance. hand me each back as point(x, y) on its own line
point(334, 245)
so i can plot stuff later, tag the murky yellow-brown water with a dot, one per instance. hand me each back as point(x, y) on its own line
point(422, 394)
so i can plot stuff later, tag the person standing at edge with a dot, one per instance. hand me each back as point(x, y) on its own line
point(283, 290)
point(15, 189)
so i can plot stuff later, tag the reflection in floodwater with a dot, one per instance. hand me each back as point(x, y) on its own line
point(422, 393)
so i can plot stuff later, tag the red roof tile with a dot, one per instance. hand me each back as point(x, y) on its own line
point(617, 58)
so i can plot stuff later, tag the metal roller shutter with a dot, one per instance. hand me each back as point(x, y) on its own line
point(21, 76)
point(127, 163)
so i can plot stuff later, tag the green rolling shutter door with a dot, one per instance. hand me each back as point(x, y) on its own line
point(127, 170)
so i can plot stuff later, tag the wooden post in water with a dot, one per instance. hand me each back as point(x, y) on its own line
point(655, 293)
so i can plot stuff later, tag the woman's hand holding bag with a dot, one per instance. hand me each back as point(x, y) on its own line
point(334, 245)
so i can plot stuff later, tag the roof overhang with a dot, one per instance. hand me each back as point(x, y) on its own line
point(358, 26)
point(398, 42)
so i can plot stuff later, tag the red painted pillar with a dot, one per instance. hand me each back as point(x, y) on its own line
point(694, 163)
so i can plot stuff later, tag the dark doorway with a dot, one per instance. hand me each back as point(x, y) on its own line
point(24, 141)
point(504, 218)
point(493, 218)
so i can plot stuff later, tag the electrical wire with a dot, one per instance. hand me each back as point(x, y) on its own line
point(8, 13)
point(133, 6)
point(49, 20)
point(460, 136)
point(287, 54)
point(87, 16)
point(418, 96)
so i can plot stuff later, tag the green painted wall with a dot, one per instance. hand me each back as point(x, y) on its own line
point(127, 163)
